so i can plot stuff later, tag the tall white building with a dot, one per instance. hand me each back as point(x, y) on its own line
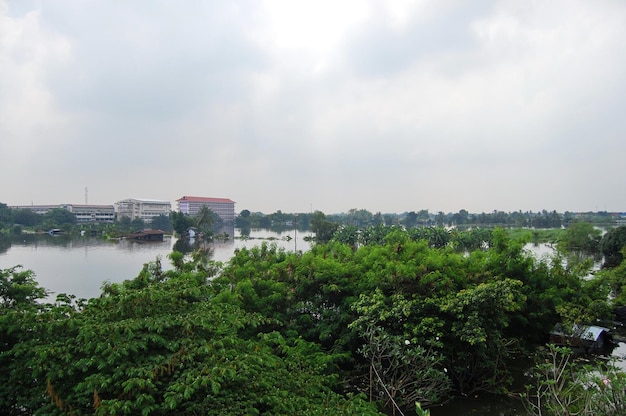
point(145, 209)
point(223, 207)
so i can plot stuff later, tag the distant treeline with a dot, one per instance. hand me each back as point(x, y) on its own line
point(364, 218)
point(17, 219)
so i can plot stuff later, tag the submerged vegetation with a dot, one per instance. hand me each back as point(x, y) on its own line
point(374, 319)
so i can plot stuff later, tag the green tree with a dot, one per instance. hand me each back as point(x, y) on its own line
point(26, 217)
point(124, 223)
point(423, 217)
point(440, 219)
point(403, 370)
point(137, 224)
point(566, 386)
point(19, 289)
point(6, 215)
point(359, 217)
point(410, 219)
point(167, 342)
point(59, 218)
point(615, 277)
point(348, 234)
point(205, 219)
point(461, 218)
point(322, 228)
point(19, 307)
point(389, 219)
point(162, 222)
point(471, 240)
point(611, 246)
point(302, 332)
point(181, 222)
point(374, 234)
point(475, 343)
point(581, 237)
point(243, 219)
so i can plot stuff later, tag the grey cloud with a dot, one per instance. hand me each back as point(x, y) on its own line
point(502, 106)
point(381, 50)
point(139, 63)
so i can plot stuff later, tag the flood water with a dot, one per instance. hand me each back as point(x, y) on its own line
point(80, 265)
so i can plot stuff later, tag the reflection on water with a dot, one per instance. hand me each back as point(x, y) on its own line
point(546, 252)
point(80, 265)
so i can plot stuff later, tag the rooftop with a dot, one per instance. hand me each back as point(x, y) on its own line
point(205, 199)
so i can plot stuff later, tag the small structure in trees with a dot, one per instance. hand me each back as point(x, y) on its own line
point(589, 338)
point(147, 235)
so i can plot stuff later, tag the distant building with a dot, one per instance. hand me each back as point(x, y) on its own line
point(37, 209)
point(144, 209)
point(223, 207)
point(92, 213)
point(83, 213)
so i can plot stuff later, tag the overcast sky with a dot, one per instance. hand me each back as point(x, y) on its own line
point(388, 106)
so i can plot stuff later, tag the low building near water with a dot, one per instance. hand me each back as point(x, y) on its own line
point(588, 338)
point(147, 235)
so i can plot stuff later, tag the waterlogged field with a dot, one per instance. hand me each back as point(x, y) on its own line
point(79, 266)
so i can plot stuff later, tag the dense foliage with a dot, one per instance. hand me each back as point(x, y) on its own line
point(566, 385)
point(612, 244)
point(375, 317)
point(162, 343)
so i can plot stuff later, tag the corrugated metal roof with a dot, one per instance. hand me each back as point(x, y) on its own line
point(589, 333)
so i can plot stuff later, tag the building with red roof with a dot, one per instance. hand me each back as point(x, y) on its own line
point(223, 207)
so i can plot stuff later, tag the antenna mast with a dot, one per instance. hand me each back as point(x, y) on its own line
point(86, 199)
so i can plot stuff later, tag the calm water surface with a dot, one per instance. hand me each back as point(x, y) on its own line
point(80, 266)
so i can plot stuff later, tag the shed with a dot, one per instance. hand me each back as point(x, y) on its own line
point(147, 235)
point(588, 337)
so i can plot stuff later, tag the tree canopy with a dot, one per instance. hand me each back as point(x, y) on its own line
point(339, 329)
point(612, 244)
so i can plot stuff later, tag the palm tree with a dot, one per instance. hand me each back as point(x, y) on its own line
point(204, 219)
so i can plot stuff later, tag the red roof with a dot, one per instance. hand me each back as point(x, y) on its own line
point(204, 199)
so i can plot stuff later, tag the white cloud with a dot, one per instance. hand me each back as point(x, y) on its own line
point(280, 105)
point(29, 119)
